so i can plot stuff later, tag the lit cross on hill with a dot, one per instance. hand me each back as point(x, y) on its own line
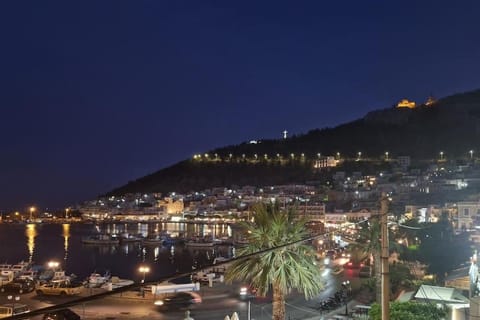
point(285, 132)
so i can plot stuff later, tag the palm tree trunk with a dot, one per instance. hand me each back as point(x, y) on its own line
point(278, 303)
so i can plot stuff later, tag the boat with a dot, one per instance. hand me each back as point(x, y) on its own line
point(96, 280)
point(5, 267)
point(115, 283)
point(101, 239)
point(128, 238)
point(199, 243)
point(19, 268)
point(153, 240)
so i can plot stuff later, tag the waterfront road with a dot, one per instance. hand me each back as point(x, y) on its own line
point(218, 301)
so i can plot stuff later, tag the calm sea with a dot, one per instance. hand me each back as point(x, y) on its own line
point(41, 243)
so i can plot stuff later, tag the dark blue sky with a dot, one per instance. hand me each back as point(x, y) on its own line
point(96, 93)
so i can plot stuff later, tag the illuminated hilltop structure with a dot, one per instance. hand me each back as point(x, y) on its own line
point(405, 103)
point(430, 101)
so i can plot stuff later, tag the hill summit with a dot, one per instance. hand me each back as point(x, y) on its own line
point(450, 126)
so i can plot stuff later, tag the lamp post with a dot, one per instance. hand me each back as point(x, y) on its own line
point(144, 270)
point(53, 265)
point(66, 212)
point(359, 155)
point(346, 293)
point(441, 155)
point(386, 156)
point(471, 154)
point(32, 210)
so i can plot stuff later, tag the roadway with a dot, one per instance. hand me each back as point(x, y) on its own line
point(218, 301)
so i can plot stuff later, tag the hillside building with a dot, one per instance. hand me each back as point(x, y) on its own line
point(405, 103)
point(430, 101)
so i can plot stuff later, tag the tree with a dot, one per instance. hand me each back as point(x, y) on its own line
point(369, 243)
point(409, 311)
point(436, 240)
point(288, 267)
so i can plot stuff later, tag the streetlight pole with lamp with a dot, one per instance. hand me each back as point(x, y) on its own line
point(346, 294)
point(144, 270)
point(32, 210)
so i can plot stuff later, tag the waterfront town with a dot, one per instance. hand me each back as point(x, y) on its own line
point(335, 213)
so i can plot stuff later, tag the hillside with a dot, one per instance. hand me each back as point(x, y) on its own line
point(451, 125)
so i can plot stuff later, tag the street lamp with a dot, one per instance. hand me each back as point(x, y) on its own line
point(144, 270)
point(32, 209)
point(359, 155)
point(66, 212)
point(346, 293)
point(471, 154)
point(386, 155)
point(53, 265)
point(441, 155)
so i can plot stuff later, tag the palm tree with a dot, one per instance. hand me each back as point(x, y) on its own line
point(282, 269)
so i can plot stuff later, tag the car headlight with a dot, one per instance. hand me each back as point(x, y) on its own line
point(159, 303)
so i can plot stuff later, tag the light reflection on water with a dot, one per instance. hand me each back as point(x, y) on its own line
point(62, 243)
point(30, 233)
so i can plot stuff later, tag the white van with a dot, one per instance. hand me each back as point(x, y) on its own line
point(8, 310)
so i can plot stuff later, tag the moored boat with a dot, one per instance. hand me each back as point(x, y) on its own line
point(199, 243)
point(96, 280)
point(101, 239)
point(128, 238)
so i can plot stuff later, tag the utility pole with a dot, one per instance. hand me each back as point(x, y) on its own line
point(384, 258)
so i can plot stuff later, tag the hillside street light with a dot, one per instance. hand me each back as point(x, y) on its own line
point(359, 155)
point(441, 155)
point(471, 154)
point(386, 155)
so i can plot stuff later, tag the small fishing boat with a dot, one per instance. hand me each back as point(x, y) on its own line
point(96, 280)
point(128, 238)
point(115, 283)
point(199, 243)
point(153, 240)
point(101, 239)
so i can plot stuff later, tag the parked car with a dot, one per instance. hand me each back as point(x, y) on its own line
point(19, 286)
point(60, 288)
point(62, 314)
point(179, 300)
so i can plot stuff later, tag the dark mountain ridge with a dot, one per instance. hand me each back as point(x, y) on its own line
point(451, 126)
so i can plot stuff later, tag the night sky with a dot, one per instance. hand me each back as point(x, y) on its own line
point(97, 93)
